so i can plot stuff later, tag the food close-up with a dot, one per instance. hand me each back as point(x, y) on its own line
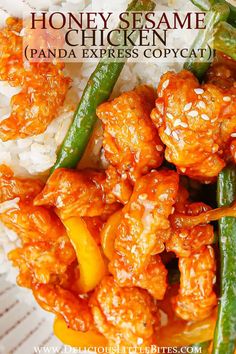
point(118, 192)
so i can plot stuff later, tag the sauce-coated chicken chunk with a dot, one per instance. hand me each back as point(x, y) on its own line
point(76, 193)
point(131, 142)
point(43, 87)
point(72, 308)
point(196, 298)
point(125, 316)
point(195, 122)
point(144, 225)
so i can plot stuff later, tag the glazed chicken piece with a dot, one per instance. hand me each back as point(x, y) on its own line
point(195, 122)
point(142, 231)
point(184, 241)
point(72, 308)
point(46, 251)
point(131, 142)
point(196, 298)
point(76, 193)
point(43, 262)
point(125, 316)
point(43, 87)
point(12, 187)
point(32, 223)
point(144, 225)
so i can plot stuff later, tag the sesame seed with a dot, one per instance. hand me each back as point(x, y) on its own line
point(167, 131)
point(201, 104)
point(226, 98)
point(175, 136)
point(183, 169)
point(140, 341)
point(177, 122)
point(184, 125)
point(199, 91)
point(187, 107)
point(169, 115)
point(205, 117)
point(193, 113)
point(233, 135)
point(159, 148)
point(165, 84)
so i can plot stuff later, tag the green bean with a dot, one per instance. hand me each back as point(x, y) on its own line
point(98, 90)
point(202, 348)
point(225, 39)
point(225, 332)
point(205, 5)
point(199, 66)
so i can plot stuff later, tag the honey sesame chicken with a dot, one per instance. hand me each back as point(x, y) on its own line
point(125, 316)
point(195, 122)
point(196, 298)
point(76, 193)
point(72, 308)
point(131, 142)
point(43, 87)
point(144, 225)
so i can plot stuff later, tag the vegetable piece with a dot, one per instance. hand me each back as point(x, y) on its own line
point(108, 234)
point(91, 264)
point(205, 5)
point(225, 39)
point(77, 339)
point(225, 332)
point(198, 66)
point(182, 333)
point(202, 347)
point(98, 90)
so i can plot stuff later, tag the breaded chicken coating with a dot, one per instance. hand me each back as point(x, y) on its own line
point(72, 308)
point(184, 241)
point(125, 316)
point(195, 122)
point(12, 187)
point(196, 298)
point(76, 193)
point(153, 278)
point(43, 87)
point(144, 225)
point(43, 261)
point(131, 142)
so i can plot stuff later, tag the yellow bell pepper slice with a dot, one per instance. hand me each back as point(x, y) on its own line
point(91, 263)
point(180, 334)
point(108, 234)
point(77, 339)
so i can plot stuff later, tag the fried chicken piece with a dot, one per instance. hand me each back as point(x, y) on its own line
point(73, 309)
point(32, 223)
point(196, 298)
point(195, 123)
point(12, 187)
point(184, 241)
point(76, 193)
point(131, 142)
point(44, 87)
point(43, 261)
point(153, 278)
point(144, 225)
point(125, 316)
